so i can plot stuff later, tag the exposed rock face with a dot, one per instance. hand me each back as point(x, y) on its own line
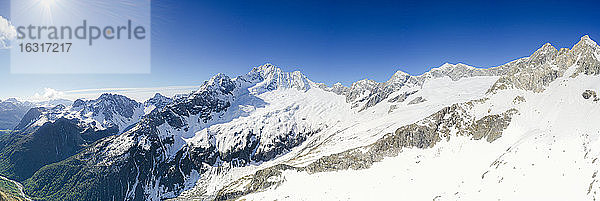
point(450, 121)
point(546, 64)
point(402, 97)
point(459, 71)
point(272, 78)
point(589, 94)
point(589, 57)
point(392, 108)
point(109, 105)
point(519, 99)
point(490, 127)
point(260, 180)
point(417, 100)
point(537, 71)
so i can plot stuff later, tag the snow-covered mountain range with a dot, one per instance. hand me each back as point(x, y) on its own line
point(50, 134)
point(455, 132)
point(12, 110)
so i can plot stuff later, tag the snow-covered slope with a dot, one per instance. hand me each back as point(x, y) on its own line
point(548, 151)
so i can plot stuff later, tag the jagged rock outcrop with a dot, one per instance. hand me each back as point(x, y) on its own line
point(588, 54)
point(546, 64)
point(519, 99)
point(590, 94)
point(454, 120)
point(417, 100)
point(272, 78)
point(402, 97)
point(109, 110)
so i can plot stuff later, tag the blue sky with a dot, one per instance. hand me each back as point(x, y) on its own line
point(329, 41)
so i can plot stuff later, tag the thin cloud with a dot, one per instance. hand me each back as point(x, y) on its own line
point(7, 33)
point(48, 94)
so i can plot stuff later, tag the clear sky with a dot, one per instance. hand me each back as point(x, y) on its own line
point(329, 41)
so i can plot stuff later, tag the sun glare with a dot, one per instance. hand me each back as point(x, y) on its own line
point(47, 3)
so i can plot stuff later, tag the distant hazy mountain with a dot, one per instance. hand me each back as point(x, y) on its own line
point(11, 111)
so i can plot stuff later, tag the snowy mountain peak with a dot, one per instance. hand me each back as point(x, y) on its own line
point(12, 100)
point(586, 39)
point(544, 54)
point(111, 104)
point(586, 53)
point(158, 101)
point(400, 79)
point(448, 68)
point(548, 45)
point(220, 82)
point(545, 49)
point(11, 110)
point(158, 96)
point(108, 111)
point(270, 77)
point(266, 69)
point(338, 88)
point(546, 64)
point(399, 75)
point(585, 43)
